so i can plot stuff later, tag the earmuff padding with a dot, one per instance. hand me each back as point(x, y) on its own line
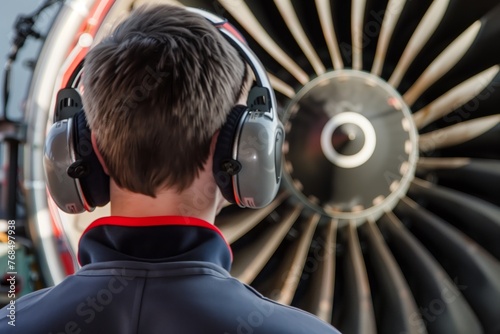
point(95, 185)
point(224, 150)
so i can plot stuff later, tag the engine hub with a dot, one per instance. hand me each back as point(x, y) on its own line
point(351, 145)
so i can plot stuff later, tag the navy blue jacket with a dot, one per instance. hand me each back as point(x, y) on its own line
point(155, 275)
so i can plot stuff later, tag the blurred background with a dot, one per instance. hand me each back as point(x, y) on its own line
point(21, 71)
point(18, 82)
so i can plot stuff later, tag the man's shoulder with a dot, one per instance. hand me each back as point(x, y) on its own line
point(276, 317)
point(24, 301)
point(9, 314)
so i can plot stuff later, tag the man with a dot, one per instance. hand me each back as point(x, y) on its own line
point(156, 93)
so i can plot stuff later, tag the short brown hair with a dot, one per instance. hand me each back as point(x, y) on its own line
point(155, 92)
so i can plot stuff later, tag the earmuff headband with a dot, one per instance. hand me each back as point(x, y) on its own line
point(249, 56)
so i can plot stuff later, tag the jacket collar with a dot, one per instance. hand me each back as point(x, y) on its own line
point(154, 240)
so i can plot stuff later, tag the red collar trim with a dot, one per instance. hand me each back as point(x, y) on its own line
point(156, 221)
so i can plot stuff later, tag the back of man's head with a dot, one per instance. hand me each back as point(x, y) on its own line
point(155, 92)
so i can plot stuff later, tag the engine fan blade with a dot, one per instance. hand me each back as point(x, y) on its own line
point(428, 282)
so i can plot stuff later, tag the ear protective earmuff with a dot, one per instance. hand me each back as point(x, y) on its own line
point(247, 158)
point(75, 179)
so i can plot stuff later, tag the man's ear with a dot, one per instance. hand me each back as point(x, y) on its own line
point(246, 86)
point(213, 143)
point(97, 153)
point(222, 202)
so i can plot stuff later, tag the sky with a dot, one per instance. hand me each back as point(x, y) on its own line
point(20, 75)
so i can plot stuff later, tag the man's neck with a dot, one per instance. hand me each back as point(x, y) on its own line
point(201, 200)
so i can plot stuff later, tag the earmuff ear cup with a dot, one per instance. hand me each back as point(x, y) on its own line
point(224, 151)
point(95, 184)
